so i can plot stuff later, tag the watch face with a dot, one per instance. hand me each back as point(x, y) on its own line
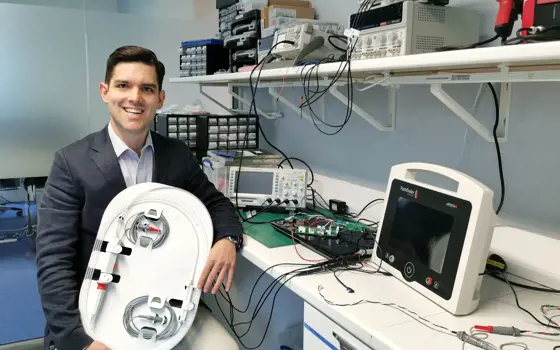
point(233, 240)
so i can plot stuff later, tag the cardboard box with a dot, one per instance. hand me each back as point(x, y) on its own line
point(298, 3)
point(274, 11)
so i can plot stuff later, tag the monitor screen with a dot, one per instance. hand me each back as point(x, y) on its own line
point(254, 182)
point(422, 233)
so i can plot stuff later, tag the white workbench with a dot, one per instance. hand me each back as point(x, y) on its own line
point(383, 328)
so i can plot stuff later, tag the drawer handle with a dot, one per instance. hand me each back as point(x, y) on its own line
point(344, 344)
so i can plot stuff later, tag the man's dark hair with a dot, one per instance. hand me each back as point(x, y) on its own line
point(134, 54)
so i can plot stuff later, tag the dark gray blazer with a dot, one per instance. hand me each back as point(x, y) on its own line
point(84, 178)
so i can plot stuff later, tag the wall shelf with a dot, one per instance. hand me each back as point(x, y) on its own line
point(539, 62)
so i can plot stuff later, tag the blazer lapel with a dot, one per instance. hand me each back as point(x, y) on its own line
point(161, 160)
point(103, 155)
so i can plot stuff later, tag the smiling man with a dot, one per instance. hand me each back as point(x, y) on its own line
point(89, 173)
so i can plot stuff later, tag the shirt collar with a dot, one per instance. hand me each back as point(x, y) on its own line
point(120, 147)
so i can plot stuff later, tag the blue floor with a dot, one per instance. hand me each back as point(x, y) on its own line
point(21, 316)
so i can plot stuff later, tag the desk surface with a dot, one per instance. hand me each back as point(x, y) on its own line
point(266, 234)
point(383, 327)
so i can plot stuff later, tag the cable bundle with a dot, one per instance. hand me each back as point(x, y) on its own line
point(131, 327)
point(535, 35)
point(274, 287)
point(132, 231)
point(313, 95)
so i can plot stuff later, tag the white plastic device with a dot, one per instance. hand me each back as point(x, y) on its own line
point(146, 299)
point(408, 27)
point(310, 42)
point(450, 275)
point(259, 186)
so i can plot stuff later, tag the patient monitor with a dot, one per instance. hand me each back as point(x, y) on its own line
point(437, 240)
point(140, 291)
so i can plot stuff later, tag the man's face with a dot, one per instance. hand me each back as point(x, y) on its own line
point(132, 96)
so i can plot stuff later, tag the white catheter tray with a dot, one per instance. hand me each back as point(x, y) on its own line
point(159, 274)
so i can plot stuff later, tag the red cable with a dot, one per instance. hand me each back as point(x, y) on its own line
point(304, 259)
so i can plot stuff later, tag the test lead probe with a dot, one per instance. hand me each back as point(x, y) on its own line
point(500, 330)
point(470, 339)
point(512, 331)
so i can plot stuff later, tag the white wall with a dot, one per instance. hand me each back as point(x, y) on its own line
point(43, 95)
point(162, 35)
point(159, 8)
point(93, 5)
point(54, 56)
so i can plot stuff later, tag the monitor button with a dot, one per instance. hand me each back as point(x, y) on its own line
point(409, 269)
point(391, 259)
point(429, 281)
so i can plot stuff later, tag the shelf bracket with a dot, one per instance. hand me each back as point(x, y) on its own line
point(481, 130)
point(505, 103)
point(272, 115)
point(211, 98)
point(368, 117)
point(292, 106)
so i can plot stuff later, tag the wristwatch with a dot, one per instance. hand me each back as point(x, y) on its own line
point(236, 240)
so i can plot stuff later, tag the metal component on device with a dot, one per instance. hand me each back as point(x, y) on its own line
point(479, 343)
point(151, 224)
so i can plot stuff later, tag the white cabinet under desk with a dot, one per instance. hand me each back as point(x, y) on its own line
point(322, 333)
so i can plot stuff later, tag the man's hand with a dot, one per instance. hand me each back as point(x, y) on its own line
point(221, 261)
point(97, 346)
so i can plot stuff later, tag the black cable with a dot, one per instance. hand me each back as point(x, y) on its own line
point(360, 270)
point(519, 306)
point(314, 191)
point(262, 301)
point(366, 207)
point(29, 224)
point(348, 289)
point(336, 46)
point(351, 216)
point(254, 93)
point(345, 64)
point(524, 286)
point(259, 278)
point(534, 35)
point(252, 108)
point(304, 163)
point(369, 222)
point(499, 154)
point(261, 211)
point(310, 100)
point(470, 46)
point(309, 269)
point(270, 143)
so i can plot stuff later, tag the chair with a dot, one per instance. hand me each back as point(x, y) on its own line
point(8, 184)
point(5, 208)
